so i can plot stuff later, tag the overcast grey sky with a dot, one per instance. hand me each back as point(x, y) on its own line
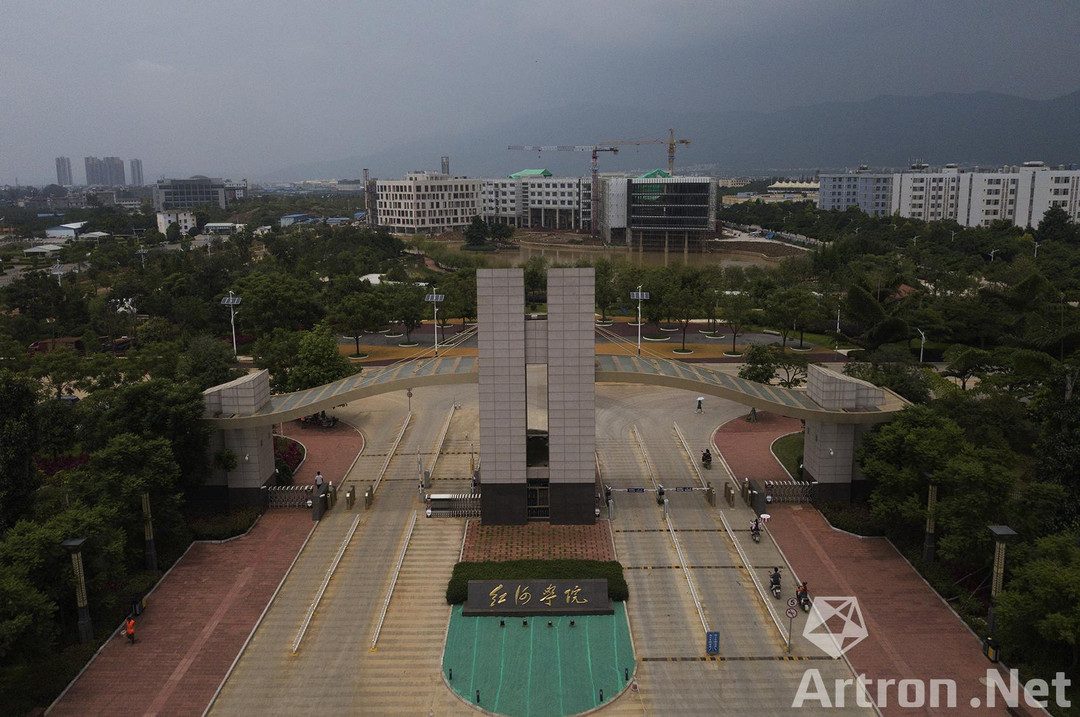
point(239, 88)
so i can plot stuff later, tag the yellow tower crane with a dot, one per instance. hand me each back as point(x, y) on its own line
point(670, 142)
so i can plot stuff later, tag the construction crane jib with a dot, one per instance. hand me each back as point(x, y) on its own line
point(671, 142)
point(594, 223)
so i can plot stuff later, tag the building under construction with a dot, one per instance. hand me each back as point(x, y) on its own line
point(658, 212)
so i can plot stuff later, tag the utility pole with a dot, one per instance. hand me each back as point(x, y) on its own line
point(639, 295)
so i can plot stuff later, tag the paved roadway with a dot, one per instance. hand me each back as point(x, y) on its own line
point(336, 671)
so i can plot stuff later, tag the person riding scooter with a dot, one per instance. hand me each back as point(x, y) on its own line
point(755, 529)
point(774, 582)
point(803, 596)
point(706, 459)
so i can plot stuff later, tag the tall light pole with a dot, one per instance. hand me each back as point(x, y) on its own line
point(930, 539)
point(922, 344)
point(232, 302)
point(148, 534)
point(1002, 535)
point(915, 240)
point(952, 235)
point(435, 299)
point(639, 295)
point(992, 252)
point(86, 627)
point(1036, 250)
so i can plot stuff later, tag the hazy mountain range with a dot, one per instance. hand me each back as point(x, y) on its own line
point(983, 128)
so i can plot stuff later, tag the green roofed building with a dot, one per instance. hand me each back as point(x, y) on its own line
point(654, 174)
point(530, 173)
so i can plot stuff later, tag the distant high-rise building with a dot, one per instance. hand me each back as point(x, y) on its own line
point(114, 172)
point(63, 171)
point(136, 172)
point(95, 171)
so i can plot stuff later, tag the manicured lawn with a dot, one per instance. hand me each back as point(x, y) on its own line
point(789, 450)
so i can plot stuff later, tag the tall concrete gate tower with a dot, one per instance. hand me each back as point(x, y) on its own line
point(529, 474)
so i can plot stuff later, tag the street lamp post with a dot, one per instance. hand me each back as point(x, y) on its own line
point(639, 295)
point(930, 539)
point(148, 532)
point(435, 299)
point(1002, 534)
point(86, 627)
point(992, 252)
point(232, 302)
point(1036, 250)
point(922, 344)
point(915, 240)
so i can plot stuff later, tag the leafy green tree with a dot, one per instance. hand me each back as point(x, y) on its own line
point(476, 234)
point(172, 233)
point(966, 363)
point(156, 408)
point(535, 277)
point(17, 444)
point(278, 353)
point(276, 299)
point(607, 289)
point(1038, 612)
point(59, 369)
point(758, 364)
point(318, 360)
point(408, 307)
point(502, 232)
point(894, 368)
point(735, 308)
point(1056, 225)
point(358, 313)
point(792, 368)
point(207, 362)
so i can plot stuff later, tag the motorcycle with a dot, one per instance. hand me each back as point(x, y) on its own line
point(774, 584)
point(318, 419)
point(803, 596)
point(755, 533)
point(706, 460)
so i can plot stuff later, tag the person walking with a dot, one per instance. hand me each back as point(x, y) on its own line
point(700, 401)
point(318, 481)
point(129, 629)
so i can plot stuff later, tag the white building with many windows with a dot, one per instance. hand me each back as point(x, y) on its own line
point(533, 198)
point(1018, 195)
point(427, 202)
point(869, 191)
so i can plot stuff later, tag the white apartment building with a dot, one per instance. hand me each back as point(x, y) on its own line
point(535, 199)
point(1017, 194)
point(869, 191)
point(427, 202)
point(185, 220)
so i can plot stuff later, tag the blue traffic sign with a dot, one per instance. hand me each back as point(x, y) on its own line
point(712, 642)
point(684, 489)
point(635, 490)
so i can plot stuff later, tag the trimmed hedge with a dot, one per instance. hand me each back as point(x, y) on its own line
point(457, 590)
point(225, 525)
point(852, 517)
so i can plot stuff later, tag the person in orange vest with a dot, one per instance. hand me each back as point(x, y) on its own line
point(129, 629)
